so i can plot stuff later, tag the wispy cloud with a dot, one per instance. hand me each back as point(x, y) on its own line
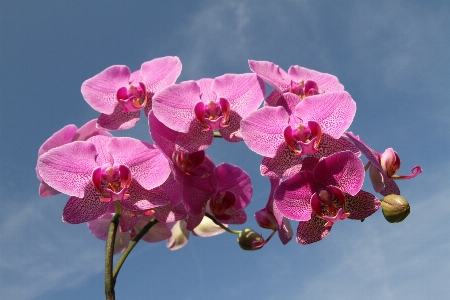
point(40, 253)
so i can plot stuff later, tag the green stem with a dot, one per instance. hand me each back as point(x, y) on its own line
point(221, 225)
point(217, 134)
point(130, 247)
point(109, 281)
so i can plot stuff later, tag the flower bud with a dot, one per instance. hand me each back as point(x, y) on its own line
point(249, 239)
point(395, 208)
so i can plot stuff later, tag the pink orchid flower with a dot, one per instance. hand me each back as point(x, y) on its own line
point(322, 196)
point(200, 107)
point(102, 170)
point(65, 135)
point(382, 167)
point(119, 95)
point(315, 126)
point(299, 81)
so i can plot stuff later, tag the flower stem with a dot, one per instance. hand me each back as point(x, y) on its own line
point(221, 225)
point(217, 134)
point(130, 247)
point(109, 281)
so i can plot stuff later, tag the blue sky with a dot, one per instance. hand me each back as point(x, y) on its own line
point(393, 57)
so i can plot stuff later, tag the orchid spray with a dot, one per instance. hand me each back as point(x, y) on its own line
point(128, 190)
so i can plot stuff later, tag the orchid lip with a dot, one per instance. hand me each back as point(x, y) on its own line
point(304, 139)
point(112, 182)
point(132, 98)
point(323, 205)
point(213, 115)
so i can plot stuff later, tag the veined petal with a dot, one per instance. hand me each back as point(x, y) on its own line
point(293, 196)
point(327, 83)
point(100, 90)
point(333, 111)
point(342, 169)
point(160, 72)
point(147, 163)
point(68, 168)
point(285, 164)
point(90, 207)
point(244, 92)
point(312, 231)
point(118, 119)
point(272, 74)
point(362, 205)
point(263, 130)
point(174, 105)
point(234, 179)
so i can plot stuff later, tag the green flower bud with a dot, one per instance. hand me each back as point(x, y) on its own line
point(395, 208)
point(249, 239)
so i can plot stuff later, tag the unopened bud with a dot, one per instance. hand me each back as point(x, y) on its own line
point(395, 208)
point(249, 239)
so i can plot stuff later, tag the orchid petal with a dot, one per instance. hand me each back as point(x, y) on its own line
point(100, 90)
point(174, 105)
point(342, 169)
point(272, 74)
point(333, 111)
point(362, 205)
point(148, 164)
point(68, 168)
point(160, 72)
point(293, 196)
point(263, 130)
point(312, 231)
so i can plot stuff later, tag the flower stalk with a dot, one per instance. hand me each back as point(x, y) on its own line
point(109, 280)
point(221, 225)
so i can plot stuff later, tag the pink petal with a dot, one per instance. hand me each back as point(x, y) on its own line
point(333, 111)
point(100, 90)
point(245, 92)
point(312, 231)
point(89, 130)
point(174, 105)
point(118, 119)
point(272, 74)
point(170, 141)
point(293, 196)
point(329, 145)
point(148, 164)
point(342, 169)
point(88, 208)
point(327, 83)
point(103, 156)
point(285, 164)
point(263, 130)
point(160, 72)
point(362, 205)
point(61, 137)
point(46, 191)
point(390, 187)
point(68, 168)
point(206, 93)
point(168, 213)
point(234, 179)
point(368, 152)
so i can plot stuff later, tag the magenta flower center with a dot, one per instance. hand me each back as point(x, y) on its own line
point(112, 182)
point(191, 163)
point(329, 204)
point(303, 139)
point(221, 203)
point(132, 98)
point(212, 114)
point(304, 88)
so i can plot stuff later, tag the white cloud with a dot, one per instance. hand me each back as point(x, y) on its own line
point(40, 253)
